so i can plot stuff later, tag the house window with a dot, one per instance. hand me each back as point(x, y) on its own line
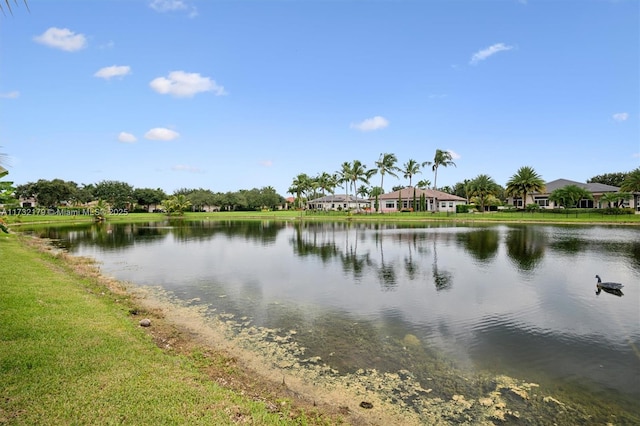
point(390, 205)
point(586, 204)
point(517, 202)
point(333, 206)
point(542, 202)
point(443, 204)
point(345, 205)
point(451, 204)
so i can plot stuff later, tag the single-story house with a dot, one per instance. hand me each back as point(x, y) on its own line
point(597, 190)
point(436, 200)
point(28, 202)
point(339, 202)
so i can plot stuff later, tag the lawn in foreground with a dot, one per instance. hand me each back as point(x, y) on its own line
point(71, 354)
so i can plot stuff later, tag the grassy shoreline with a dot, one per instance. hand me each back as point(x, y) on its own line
point(72, 352)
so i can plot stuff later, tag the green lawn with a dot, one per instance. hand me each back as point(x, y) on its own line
point(70, 353)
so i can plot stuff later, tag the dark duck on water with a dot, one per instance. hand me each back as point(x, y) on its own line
point(613, 286)
point(609, 287)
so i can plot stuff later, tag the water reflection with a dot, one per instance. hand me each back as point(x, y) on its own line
point(526, 246)
point(482, 244)
point(614, 291)
point(392, 297)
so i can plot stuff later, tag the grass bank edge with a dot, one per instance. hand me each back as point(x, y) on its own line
point(492, 217)
point(71, 354)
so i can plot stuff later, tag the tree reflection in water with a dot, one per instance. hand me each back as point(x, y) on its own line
point(525, 247)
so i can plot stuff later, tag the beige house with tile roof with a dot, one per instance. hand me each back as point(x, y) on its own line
point(597, 190)
point(436, 200)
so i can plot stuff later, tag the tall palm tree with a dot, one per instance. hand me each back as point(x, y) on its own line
point(360, 173)
point(324, 182)
point(525, 181)
point(444, 159)
point(387, 164)
point(410, 168)
point(344, 176)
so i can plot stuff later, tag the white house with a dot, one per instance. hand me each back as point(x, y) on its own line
point(339, 202)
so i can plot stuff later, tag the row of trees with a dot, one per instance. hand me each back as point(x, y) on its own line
point(352, 173)
point(120, 195)
point(482, 190)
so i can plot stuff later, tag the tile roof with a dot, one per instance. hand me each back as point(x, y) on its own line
point(591, 187)
point(428, 193)
point(338, 198)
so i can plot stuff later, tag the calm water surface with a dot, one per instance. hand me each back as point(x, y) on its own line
point(516, 300)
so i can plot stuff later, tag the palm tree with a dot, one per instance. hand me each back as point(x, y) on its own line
point(177, 204)
point(299, 186)
point(101, 210)
point(444, 159)
point(324, 181)
point(359, 172)
point(484, 188)
point(4, 159)
point(423, 183)
point(363, 191)
point(344, 176)
point(631, 182)
point(616, 199)
point(410, 168)
point(387, 164)
point(525, 181)
point(570, 195)
point(9, 6)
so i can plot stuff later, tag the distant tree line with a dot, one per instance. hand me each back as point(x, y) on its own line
point(56, 192)
point(355, 178)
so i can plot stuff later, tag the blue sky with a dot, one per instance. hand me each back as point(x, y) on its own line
point(229, 95)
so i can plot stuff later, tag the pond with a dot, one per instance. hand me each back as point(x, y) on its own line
point(513, 300)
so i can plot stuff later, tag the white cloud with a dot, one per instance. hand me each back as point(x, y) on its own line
point(184, 85)
point(483, 54)
point(113, 71)
point(186, 168)
point(173, 6)
point(167, 5)
point(636, 155)
point(10, 95)
point(454, 155)
point(126, 137)
point(161, 134)
point(370, 124)
point(621, 116)
point(266, 163)
point(62, 38)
